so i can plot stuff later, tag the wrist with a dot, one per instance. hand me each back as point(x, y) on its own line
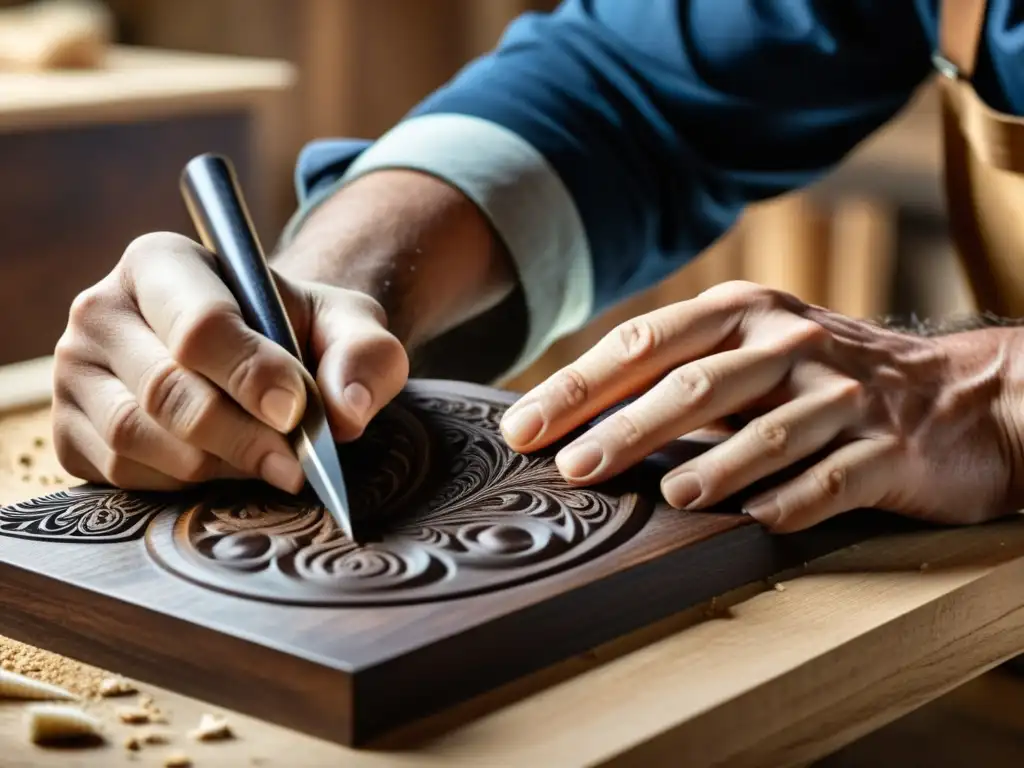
point(417, 245)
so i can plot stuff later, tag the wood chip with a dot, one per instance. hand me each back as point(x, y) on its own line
point(133, 715)
point(15, 686)
point(60, 723)
point(780, 587)
point(116, 686)
point(132, 744)
point(155, 738)
point(177, 761)
point(212, 728)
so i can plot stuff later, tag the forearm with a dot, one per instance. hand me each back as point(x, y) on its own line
point(428, 255)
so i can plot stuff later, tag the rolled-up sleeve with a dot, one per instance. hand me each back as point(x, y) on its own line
point(610, 142)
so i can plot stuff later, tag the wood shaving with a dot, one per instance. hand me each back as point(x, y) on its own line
point(15, 686)
point(780, 587)
point(212, 728)
point(116, 686)
point(60, 723)
point(133, 715)
point(177, 761)
point(155, 738)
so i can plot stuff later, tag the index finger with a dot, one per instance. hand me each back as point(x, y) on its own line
point(183, 300)
point(626, 361)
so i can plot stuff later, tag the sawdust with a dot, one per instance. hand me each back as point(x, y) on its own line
point(80, 679)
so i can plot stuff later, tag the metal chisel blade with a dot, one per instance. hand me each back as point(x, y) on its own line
point(318, 454)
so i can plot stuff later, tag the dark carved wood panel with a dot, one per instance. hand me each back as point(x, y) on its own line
point(458, 513)
point(74, 197)
point(483, 567)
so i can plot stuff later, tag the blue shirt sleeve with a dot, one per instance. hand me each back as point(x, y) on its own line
point(611, 141)
point(664, 118)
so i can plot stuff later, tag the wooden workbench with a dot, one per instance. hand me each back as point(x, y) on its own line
point(762, 677)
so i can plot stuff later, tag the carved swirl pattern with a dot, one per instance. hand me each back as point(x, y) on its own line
point(85, 513)
point(455, 510)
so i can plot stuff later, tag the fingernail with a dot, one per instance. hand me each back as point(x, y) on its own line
point(358, 399)
point(765, 511)
point(523, 425)
point(581, 460)
point(279, 408)
point(283, 472)
point(682, 490)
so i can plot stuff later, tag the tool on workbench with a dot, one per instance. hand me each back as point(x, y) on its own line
point(214, 200)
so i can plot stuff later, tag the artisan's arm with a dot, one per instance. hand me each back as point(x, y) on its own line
point(606, 144)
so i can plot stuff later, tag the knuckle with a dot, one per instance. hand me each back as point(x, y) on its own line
point(142, 248)
point(87, 307)
point(170, 397)
point(369, 306)
point(850, 391)
point(67, 351)
point(191, 332)
point(773, 436)
point(122, 429)
point(381, 354)
point(625, 427)
point(251, 365)
point(634, 339)
point(830, 481)
point(807, 333)
point(572, 386)
point(693, 384)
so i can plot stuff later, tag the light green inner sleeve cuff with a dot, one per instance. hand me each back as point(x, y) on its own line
point(521, 194)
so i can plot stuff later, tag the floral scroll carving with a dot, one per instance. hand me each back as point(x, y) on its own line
point(84, 514)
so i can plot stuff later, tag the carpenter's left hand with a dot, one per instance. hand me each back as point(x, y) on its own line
point(920, 426)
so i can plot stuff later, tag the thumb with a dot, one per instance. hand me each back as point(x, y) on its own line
point(361, 365)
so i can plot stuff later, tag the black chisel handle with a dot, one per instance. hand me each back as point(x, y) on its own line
point(215, 203)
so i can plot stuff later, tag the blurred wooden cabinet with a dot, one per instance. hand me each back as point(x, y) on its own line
point(361, 64)
point(92, 160)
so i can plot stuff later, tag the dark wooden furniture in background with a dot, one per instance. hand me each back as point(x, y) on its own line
point(91, 160)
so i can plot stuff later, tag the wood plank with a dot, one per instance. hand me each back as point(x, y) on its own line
point(138, 84)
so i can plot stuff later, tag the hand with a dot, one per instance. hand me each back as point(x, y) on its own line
point(159, 383)
point(914, 425)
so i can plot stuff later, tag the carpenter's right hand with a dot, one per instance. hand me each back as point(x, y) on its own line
point(159, 383)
